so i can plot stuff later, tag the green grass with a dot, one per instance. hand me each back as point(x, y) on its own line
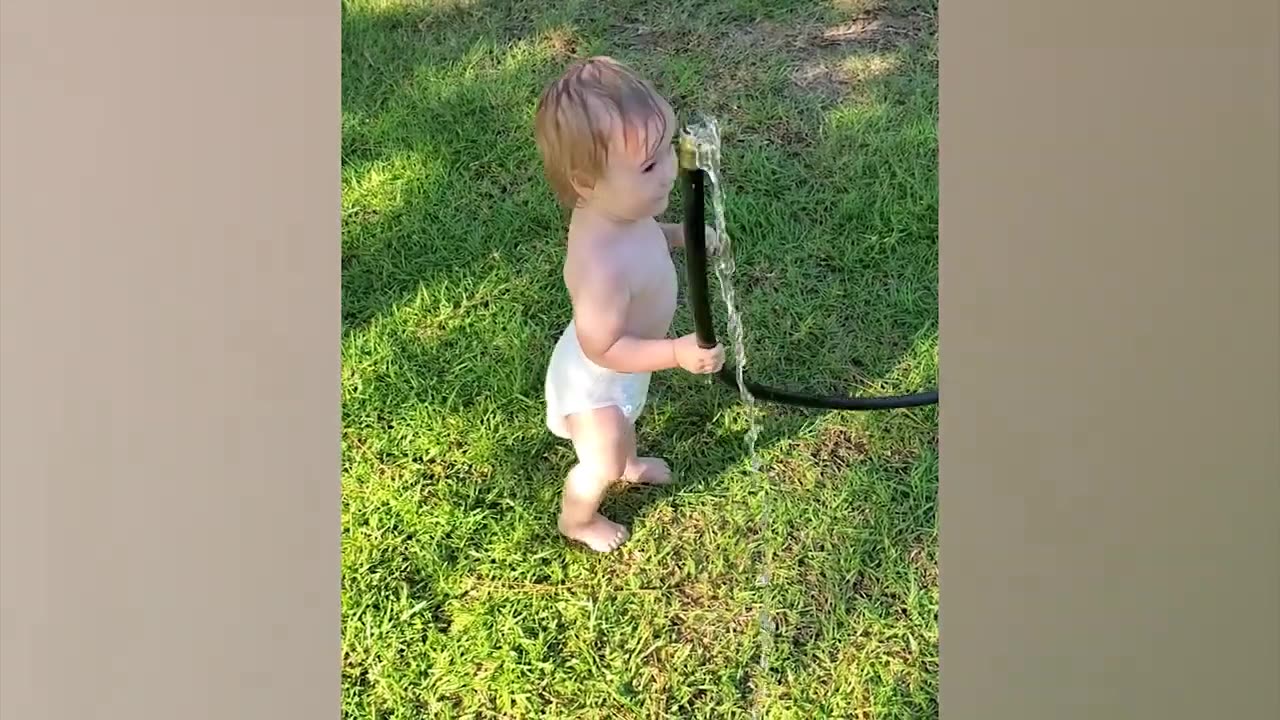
point(458, 597)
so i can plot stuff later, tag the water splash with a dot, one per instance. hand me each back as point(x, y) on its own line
point(705, 132)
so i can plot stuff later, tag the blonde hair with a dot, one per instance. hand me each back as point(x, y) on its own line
point(578, 119)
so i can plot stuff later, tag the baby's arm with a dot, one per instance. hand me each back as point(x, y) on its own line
point(599, 313)
point(674, 233)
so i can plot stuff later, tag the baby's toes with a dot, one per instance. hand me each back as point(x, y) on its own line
point(619, 538)
point(601, 534)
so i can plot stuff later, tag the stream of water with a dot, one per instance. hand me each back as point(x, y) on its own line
point(706, 134)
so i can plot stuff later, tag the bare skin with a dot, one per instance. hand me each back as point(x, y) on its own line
point(604, 441)
point(622, 284)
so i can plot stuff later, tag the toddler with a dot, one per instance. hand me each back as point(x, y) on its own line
point(605, 137)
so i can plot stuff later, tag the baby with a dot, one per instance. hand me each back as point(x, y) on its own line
point(605, 137)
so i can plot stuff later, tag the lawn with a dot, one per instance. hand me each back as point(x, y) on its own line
point(459, 599)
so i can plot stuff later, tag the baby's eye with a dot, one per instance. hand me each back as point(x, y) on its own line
point(649, 167)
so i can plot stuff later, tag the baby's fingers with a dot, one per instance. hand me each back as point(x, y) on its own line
point(717, 358)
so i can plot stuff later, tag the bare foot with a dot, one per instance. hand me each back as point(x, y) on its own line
point(600, 533)
point(647, 471)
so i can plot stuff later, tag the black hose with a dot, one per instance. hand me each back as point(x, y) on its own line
point(695, 242)
point(693, 181)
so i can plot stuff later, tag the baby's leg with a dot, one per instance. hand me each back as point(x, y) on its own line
point(643, 470)
point(603, 440)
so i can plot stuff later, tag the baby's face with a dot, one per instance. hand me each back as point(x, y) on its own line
point(638, 179)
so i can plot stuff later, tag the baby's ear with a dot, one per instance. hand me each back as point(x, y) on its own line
point(582, 186)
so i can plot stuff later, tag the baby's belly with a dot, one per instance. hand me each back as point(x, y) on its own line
point(651, 316)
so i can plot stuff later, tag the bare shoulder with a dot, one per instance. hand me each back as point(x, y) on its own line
point(593, 269)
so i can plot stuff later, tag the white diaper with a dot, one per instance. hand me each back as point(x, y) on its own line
point(575, 384)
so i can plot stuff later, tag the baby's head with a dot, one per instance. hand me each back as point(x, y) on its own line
point(605, 138)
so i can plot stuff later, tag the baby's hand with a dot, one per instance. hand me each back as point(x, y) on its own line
point(696, 359)
point(675, 236)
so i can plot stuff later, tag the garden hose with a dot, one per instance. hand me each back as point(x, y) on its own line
point(693, 181)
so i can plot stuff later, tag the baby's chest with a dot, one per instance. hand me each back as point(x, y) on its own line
point(654, 277)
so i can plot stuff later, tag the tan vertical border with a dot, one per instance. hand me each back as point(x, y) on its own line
point(170, 527)
point(1110, 234)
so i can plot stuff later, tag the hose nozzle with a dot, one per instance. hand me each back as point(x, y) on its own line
point(687, 151)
